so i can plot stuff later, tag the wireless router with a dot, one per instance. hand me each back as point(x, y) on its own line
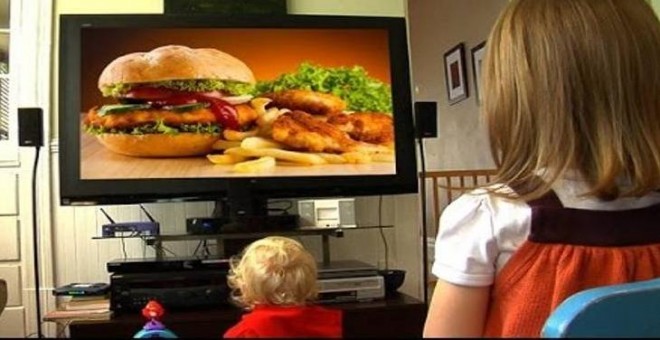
point(112, 229)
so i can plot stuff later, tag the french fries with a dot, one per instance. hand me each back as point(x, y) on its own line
point(222, 144)
point(285, 155)
point(356, 157)
point(227, 159)
point(332, 158)
point(233, 135)
point(260, 143)
point(259, 104)
point(258, 165)
point(255, 151)
point(382, 157)
point(253, 154)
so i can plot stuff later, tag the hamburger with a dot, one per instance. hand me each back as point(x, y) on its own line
point(173, 101)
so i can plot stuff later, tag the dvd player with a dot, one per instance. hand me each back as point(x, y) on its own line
point(351, 289)
point(345, 269)
point(158, 265)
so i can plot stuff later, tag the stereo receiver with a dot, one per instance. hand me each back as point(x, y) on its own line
point(174, 290)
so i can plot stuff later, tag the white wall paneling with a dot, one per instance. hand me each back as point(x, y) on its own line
point(12, 323)
point(12, 275)
point(9, 239)
point(9, 193)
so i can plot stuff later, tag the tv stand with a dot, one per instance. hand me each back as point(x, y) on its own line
point(325, 233)
point(399, 315)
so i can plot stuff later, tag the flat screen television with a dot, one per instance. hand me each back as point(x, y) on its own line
point(336, 119)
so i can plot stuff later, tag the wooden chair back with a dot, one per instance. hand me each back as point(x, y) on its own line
point(447, 185)
point(3, 295)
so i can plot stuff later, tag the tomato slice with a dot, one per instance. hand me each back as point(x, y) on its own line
point(145, 92)
point(173, 100)
point(225, 114)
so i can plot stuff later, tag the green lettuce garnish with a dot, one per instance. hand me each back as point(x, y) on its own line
point(158, 128)
point(353, 85)
point(234, 88)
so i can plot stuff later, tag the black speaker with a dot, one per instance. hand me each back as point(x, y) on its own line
point(426, 119)
point(30, 126)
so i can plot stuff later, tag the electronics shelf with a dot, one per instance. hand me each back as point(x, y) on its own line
point(325, 233)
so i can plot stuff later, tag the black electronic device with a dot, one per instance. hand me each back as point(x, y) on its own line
point(345, 269)
point(205, 225)
point(114, 229)
point(426, 119)
point(158, 265)
point(30, 126)
point(253, 7)
point(82, 289)
point(193, 289)
point(377, 45)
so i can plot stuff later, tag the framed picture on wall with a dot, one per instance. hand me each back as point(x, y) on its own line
point(477, 58)
point(455, 74)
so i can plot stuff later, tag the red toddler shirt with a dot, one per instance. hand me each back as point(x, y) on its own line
point(288, 321)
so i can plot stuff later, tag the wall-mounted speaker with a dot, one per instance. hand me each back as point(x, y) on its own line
point(426, 119)
point(30, 126)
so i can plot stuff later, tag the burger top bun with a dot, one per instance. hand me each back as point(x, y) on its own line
point(174, 62)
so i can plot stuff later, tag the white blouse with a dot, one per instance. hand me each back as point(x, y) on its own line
point(479, 232)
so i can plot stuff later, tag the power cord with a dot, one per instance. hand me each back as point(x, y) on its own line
point(382, 233)
point(425, 255)
point(35, 241)
point(146, 241)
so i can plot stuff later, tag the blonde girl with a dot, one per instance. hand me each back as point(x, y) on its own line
point(572, 106)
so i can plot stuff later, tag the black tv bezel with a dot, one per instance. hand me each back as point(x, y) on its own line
point(77, 191)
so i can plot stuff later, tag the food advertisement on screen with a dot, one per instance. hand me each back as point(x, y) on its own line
point(204, 103)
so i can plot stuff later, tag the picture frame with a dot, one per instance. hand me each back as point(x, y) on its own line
point(455, 74)
point(478, 53)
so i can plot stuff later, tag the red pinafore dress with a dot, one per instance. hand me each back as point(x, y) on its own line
point(569, 250)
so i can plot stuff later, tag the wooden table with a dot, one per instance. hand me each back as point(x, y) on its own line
point(397, 316)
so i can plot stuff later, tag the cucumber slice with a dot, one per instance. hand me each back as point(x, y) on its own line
point(121, 108)
point(187, 107)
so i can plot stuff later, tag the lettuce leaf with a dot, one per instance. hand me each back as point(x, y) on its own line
point(157, 128)
point(361, 92)
point(235, 88)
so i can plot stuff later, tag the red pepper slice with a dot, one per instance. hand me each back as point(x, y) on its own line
point(224, 112)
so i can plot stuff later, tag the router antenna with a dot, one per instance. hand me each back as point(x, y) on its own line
point(151, 218)
point(107, 216)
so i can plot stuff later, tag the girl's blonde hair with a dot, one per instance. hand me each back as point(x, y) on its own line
point(575, 84)
point(273, 270)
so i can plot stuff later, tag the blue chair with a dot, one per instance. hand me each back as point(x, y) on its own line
point(630, 310)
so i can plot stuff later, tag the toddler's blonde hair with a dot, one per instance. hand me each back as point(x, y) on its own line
point(274, 270)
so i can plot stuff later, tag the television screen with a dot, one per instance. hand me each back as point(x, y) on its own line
point(163, 107)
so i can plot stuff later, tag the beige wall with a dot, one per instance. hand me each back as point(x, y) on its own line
point(435, 27)
point(656, 5)
point(104, 6)
point(395, 8)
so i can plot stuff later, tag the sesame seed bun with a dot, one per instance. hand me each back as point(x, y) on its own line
point(175, 62)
